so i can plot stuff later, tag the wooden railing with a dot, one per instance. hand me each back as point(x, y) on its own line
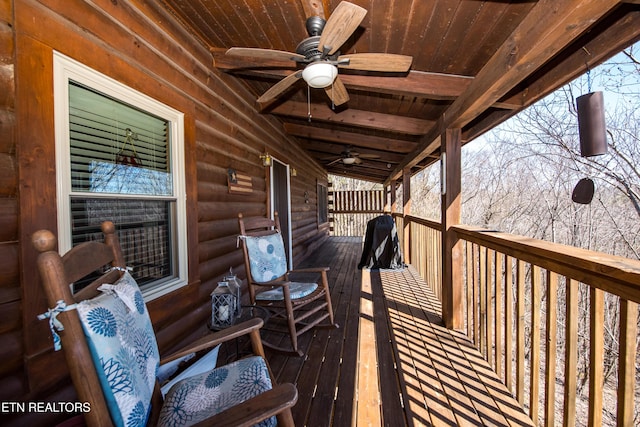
point(558, 324)
point(349, 211)
point(424, 250)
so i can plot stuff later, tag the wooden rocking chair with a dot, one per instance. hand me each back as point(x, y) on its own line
point(92, 314)
point(302, 305)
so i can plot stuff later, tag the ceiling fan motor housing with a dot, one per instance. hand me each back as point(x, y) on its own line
point(309, 48)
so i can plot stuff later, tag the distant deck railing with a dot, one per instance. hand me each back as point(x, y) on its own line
point(536, 311)
point(349, 211)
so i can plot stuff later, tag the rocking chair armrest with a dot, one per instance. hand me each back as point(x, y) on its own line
point(213, 339)
point(252, 411)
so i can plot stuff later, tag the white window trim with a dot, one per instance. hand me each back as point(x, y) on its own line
point(65, 69)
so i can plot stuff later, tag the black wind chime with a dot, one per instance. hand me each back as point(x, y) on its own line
point(593, 136)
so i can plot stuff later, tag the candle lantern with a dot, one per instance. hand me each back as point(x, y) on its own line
point(235, 287)
point(223, 306)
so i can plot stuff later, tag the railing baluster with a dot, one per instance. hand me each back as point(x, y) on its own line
point(571, 354)
point(626, 361)
point(476, 295)
point(499, 314)
point(508, 321)
point(534, 369)
point(596, 356)
point(469, 277)
point(551, 348)
point(520, 279)
point(483, 301)
point(490, 286)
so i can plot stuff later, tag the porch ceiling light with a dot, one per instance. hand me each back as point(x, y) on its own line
point(349, 160)
point(320, 74)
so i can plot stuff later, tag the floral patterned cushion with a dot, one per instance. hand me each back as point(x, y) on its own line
point(124, 350)
point(296, 290)
point(267, 260)
point(194, 399)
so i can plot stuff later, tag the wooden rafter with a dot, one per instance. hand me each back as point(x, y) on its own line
point(364, 119)
point(349, 138)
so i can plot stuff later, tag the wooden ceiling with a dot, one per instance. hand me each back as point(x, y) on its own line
point(475, 64)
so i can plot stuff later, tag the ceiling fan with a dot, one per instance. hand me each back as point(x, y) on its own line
point(319, 53)
point(348, 157)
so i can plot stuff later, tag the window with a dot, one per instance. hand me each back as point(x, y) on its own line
point(322, 204)
point(119, 158)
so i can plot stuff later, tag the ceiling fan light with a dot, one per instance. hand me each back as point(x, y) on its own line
point(319, 74)
point(349, 160)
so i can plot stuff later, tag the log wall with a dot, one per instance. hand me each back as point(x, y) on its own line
point(141, 45)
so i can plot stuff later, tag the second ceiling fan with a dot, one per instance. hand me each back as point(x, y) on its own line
point(319, 53)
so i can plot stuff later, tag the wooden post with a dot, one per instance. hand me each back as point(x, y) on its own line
point(394, 203)
point(451, 246)
point(406, 211)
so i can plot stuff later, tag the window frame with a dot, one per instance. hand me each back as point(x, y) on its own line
point(322, 197)
point(66, 69)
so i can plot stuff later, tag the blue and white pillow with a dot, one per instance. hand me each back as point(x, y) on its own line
point(267, 259)
point(196, 398)
point(124, 349)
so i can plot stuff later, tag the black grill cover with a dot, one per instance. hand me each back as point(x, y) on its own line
point(381, 246)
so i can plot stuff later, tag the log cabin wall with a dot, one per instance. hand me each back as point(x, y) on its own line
point(140, 45)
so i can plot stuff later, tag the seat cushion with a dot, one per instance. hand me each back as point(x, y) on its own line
point(296, 290)
point(196, 398)
point(124, 349)
point(267, 260)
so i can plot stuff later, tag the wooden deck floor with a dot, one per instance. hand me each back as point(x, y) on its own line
point(391, 362)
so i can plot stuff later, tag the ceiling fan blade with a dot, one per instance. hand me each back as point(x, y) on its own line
point(337, 92)
point(386, 62)
point(265, 54)
point(278, 89)
point(338, 160)
point(341, 24)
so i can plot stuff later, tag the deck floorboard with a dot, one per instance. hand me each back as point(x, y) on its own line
point(391, 361)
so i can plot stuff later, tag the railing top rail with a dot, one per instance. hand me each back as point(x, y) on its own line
point(423, 221)
point(614, 274)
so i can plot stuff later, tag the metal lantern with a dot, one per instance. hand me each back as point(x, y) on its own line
point(223, 306)
point(235, 286)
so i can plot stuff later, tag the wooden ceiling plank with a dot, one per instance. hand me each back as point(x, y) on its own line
point(314, 8)
point(350, 138)
point(364, 119)
point(549, 28)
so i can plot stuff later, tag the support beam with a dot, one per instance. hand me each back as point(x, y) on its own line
point(353, 117)
point(451, 215)
point(406, 210)
point(343, 138)
point(394, 203)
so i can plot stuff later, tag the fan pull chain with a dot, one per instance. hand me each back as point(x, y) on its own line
point(333, 105)
point(309, 103)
